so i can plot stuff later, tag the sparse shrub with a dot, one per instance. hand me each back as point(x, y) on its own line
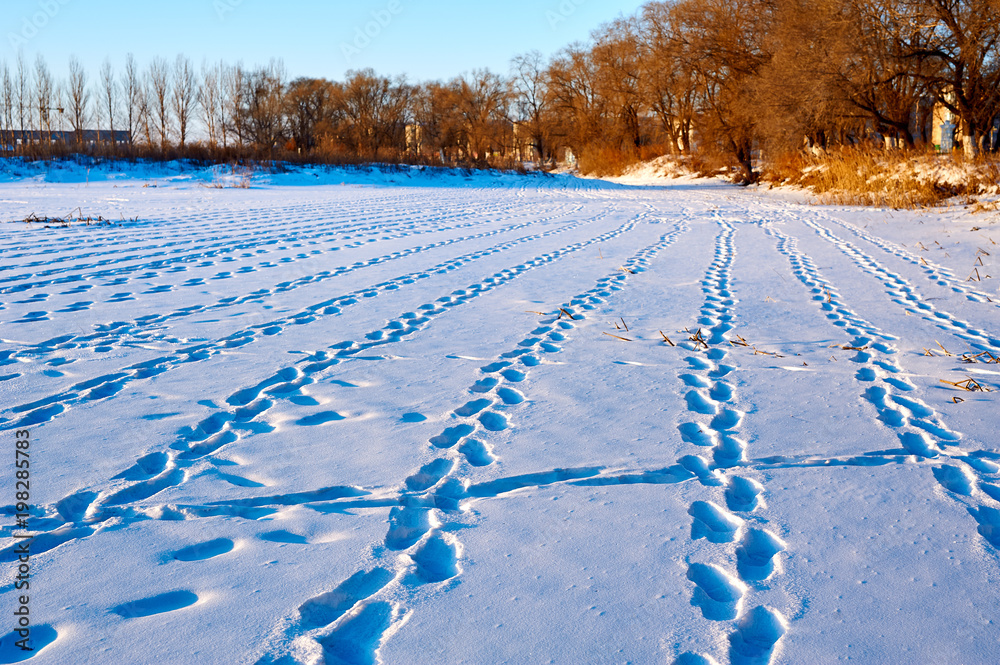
point(602, 161)
point(894, 179)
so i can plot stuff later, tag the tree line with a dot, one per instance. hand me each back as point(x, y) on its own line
point(729, 77)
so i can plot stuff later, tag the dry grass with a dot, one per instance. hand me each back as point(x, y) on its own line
point(893, 179)
point(603, 161)
point(200, 154)
point(76, 216)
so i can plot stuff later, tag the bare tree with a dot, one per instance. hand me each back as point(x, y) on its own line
point(724, 41)
point(533, 99)
point(6, 107)
point(374, 111)
point(22, 94)
point(581, 112)
point(263, 113)
point(109, 97)
point(132, 89)
point(79, 98)
point(963, 38)
point(210, 99)
point(437, 125)
point(876, 75)
point(234, 93)
point(184, 95)
point(619, 76)
point(159, 88)
point(483, 104)
point(144, 112)
point(310, 111)
point(44, 94)
point(668, 83)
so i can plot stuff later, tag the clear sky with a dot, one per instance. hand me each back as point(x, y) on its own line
point(420, 38)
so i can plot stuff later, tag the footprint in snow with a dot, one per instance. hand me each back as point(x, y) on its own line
point(164, 602)
point(41, 636)
point(203, 551)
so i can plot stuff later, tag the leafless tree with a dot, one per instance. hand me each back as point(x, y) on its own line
point(6, 107)
point(133, 90)
point(668, 82)
point(79, 98)
point(963, 38)
point(184, 95)
point(374, 111)
point(110, 97)
point(725, 44)
point(580, 111)
point(159, 89)
point(22, 94)
point(44, 94)
point(234, 84)
point(263, 111)
point(310, 110)
point(437, 124)
point(144, 113)
point(210, 99)
point(483, 100)
point(619, 77)
point(533, 99)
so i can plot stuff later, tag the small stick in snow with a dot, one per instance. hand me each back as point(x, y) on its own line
point(600, 252)
point(624, 324)
point(942, 348)
point(970, 385)
point(531, 311)
point(624, 269)
point(566, 313)
point(667, 339)
point(971, 359)
point(624, 339)
point(698, 339)
point(957, 400)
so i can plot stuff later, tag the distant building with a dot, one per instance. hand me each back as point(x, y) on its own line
point(945, 133)
point(11, 139)
point(414, 138)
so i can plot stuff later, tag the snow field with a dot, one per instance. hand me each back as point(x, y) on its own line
point(360, 425)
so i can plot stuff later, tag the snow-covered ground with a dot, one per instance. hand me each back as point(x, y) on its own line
point(424, 417)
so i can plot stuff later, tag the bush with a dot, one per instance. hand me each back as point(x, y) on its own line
point(894, 179)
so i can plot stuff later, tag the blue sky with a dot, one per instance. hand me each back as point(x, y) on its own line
point(423, 39)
